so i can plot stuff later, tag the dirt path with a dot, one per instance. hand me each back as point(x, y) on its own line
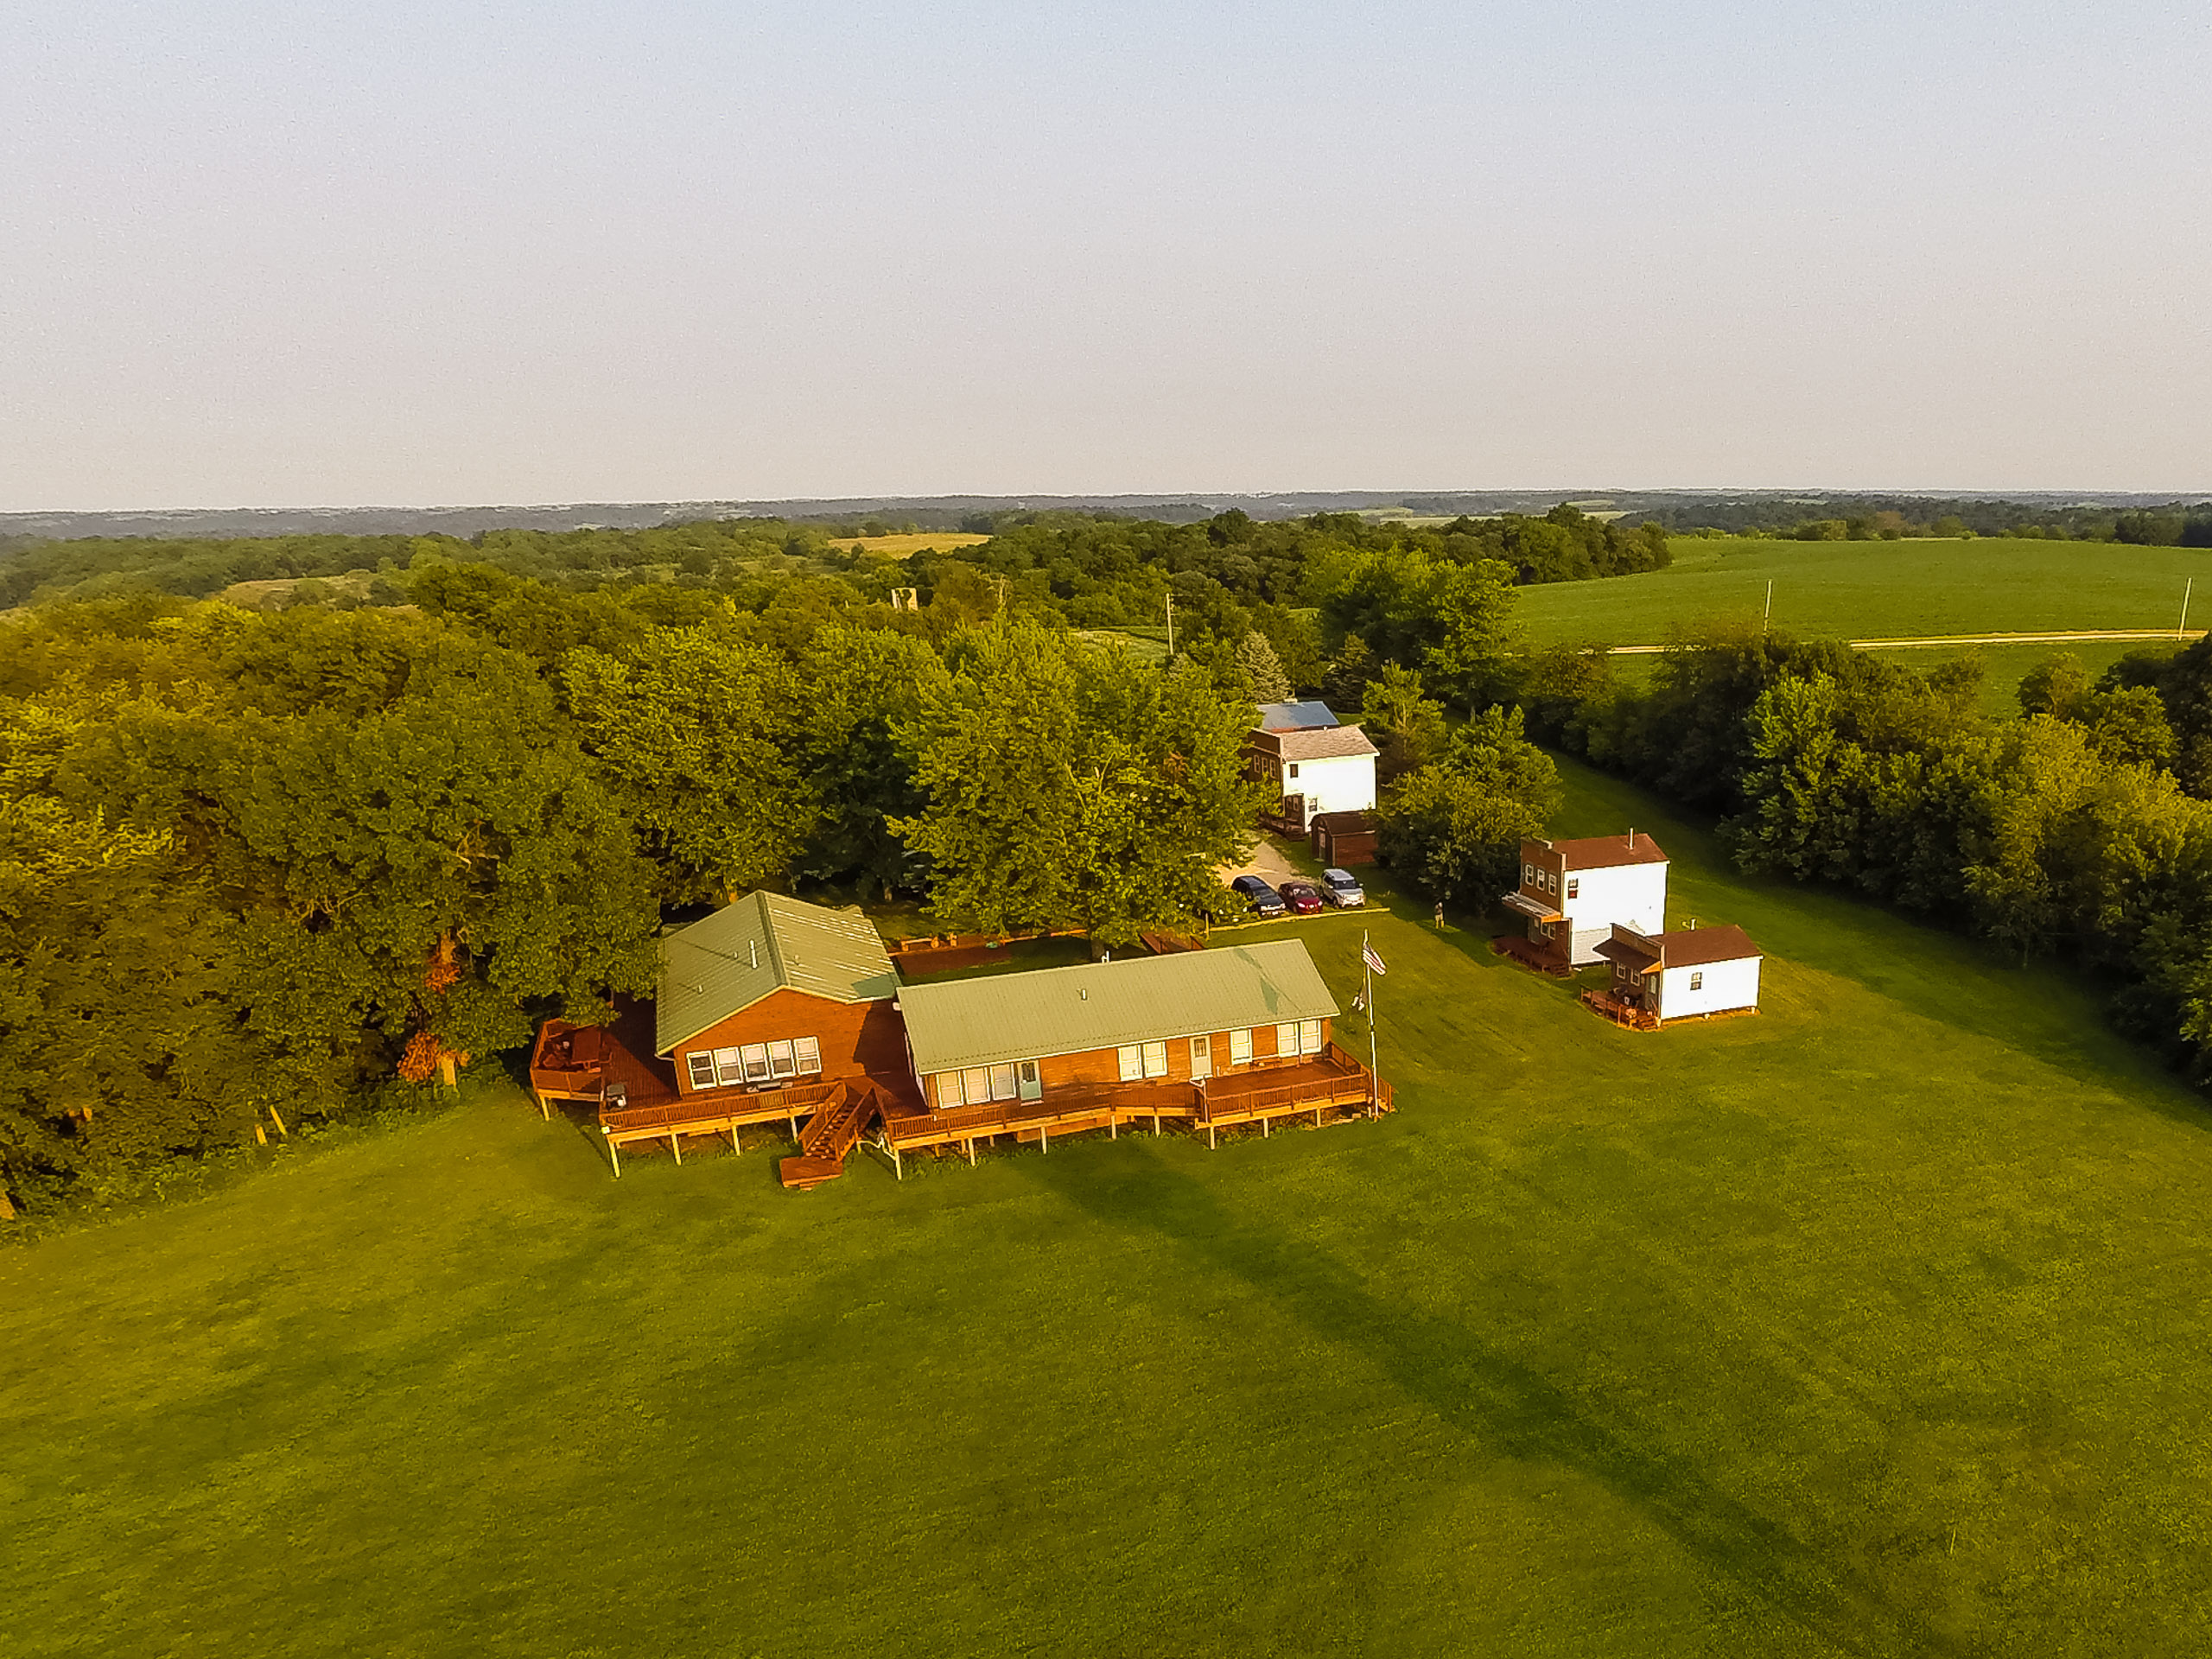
point(2086, 636)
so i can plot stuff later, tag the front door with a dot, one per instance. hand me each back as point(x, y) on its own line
point(1026, 1082)
point(1201, 1058)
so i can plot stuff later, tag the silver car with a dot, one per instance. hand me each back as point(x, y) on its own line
point(1342, 889)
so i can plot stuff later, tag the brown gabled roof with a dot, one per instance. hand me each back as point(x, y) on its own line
point(1699, 945)
point(1326, 743)
point(1694, 947)
point(1605, 852)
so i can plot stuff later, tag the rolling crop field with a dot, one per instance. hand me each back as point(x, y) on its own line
point(1874, 1324)
point(1878, 590)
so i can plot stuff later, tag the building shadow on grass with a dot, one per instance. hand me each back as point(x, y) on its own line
point(1496, 1400)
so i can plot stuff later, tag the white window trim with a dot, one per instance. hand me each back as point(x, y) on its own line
point(697, 1061)
point(1240, 1047)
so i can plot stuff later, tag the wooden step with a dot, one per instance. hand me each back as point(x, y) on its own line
point(800, 1173)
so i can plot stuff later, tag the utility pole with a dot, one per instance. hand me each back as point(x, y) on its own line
point(1170, 628)
point(1767, 621)
point(2185, 592)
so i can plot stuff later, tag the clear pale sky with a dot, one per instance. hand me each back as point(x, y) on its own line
point(405, 253)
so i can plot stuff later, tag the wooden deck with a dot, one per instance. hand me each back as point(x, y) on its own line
point(1332, 1084)
point(581, 1061)
point(1627, 1015)
point(1530, 955)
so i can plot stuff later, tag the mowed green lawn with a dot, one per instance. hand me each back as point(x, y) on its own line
point(1877, 590)
point(1876, 1325)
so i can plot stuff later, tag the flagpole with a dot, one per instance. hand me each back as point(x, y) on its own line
point(1373, 1067)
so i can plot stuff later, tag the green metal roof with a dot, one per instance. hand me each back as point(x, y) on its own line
point(1110, 1004)
point(764, 943)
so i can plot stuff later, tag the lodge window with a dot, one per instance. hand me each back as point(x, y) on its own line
point(1528, 875)
point(1240, 1047)
point(1697, 982)
point(1573, 887)
point(781, 1062)
point(729, 1066)
point(949, 1092)
point(1155, 1060)
point(809, 1050)
point(1132, 1061)
point(1002, 1082)
point(1301, 1036)
point(703, 1068)
point(1293, 769)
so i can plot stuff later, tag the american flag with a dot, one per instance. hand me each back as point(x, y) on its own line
point(1373, 960)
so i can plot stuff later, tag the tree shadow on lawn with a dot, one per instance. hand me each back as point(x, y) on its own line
point(1496, 1400)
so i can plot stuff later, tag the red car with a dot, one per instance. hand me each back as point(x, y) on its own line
point(1301, 898)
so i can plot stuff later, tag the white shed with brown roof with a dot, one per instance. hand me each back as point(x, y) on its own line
point(1693, 973)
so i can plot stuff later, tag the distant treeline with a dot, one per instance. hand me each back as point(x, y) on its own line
point(2085, 827)
point(1890, 516)
point(1096, 572)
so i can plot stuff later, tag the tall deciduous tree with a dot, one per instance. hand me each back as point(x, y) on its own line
point(1069, 785)
point(689, 726)
point(1454, 828)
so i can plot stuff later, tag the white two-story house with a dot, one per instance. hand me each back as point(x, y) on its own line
point(1319, 764)
point(1573, 893)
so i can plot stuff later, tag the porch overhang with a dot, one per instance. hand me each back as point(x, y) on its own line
point(1537, 910)
point(1636, 958)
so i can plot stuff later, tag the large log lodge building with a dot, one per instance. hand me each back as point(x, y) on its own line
point(776, 1010)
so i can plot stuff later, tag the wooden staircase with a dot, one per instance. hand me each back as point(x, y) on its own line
point(834, 1130)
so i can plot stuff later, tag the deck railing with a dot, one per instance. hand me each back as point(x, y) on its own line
point(799, 1101)
point(1351, 1082)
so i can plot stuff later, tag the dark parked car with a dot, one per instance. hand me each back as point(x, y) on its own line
point(1264, 900)
point(1303, 897)
point(1342, 889)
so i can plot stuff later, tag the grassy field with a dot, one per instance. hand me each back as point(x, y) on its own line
point(1877, 590)
point(2003, 666)
point(898, 547)
point(1873, 1325)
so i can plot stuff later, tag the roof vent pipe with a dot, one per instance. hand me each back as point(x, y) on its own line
point(752, 949)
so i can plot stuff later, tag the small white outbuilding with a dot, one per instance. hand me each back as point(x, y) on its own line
point(1693, 973)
